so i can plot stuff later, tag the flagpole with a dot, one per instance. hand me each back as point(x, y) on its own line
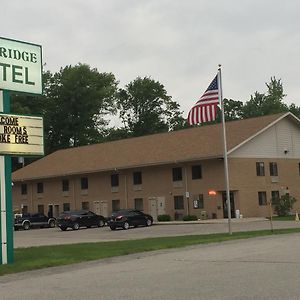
point(225, 151)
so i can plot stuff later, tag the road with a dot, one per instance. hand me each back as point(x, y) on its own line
point(258, 268)
point(54, 236)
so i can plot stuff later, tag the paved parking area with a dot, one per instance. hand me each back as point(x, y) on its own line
point(54, 236)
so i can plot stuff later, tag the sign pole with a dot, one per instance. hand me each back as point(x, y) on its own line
point(5, 196)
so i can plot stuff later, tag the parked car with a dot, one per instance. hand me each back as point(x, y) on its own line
point(79, 218)
point(126, 218)
point(27, 221)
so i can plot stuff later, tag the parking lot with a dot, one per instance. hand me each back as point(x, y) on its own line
point(54, 236)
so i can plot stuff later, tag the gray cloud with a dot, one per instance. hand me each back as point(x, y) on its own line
point(179, 43)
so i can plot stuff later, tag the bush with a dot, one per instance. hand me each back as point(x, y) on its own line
point(190, 218)
point(284, 204)
point(163, 218)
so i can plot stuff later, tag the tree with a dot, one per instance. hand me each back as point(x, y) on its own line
point(145, 108)
point(78, 98)
point(284, 204)
point(266, 104)
point(233, 110)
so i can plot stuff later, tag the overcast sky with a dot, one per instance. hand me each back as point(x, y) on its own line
point(179, 43)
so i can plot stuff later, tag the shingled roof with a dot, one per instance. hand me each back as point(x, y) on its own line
point(190, 144)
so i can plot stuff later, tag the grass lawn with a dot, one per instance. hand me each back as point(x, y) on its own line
point(26, 259)
point(285, 218)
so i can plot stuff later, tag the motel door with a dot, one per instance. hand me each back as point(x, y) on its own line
point(153, 207)
point(97, 207)
point(103, 209)
point(225, 211)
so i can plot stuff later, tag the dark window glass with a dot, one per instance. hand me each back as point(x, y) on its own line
point(299, 168)
point(260, 169)
point(137, 178)
point(275, 196)
point(24, 209)
point(65, 185)
point(115, 205)
point(177, 174)
point(138, 204)
point(66, 206)
point(40, 187)
point(198, 201)
point(85, 205)
point(273, 169)
point(114, 178)
point(196, 172)
point(24, 189)
point(84, 183)
point(178, 202)
point(41, 208)
point(262, 198)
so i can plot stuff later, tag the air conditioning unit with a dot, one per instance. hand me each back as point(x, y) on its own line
point(274, 179)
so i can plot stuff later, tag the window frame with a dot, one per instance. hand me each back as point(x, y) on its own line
point(65, 185)
point(137, 178)
point(261, 201)
point(260, 168)
point(273, 168)
point(177, 174)
point(178, 202)
point(84, 183)
point(114, 180)
point(196, 172)
point(24, 190)
point(40, 187)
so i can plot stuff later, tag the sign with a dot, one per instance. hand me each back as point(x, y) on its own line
point(20, 66)
point(21, 135)
point(212, 193)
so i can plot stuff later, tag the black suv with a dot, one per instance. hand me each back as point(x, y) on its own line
point(79, 218)
point(27, 221)
point(129, 217)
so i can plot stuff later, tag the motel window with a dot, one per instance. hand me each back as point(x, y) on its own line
point(262, 198)
point(41, 209)
point(198, 201)
point(299, 168)
point(260, 169)
point(66, 206)
point(40, 188)
point(273, 169)
point(114, 179)
point(137, 178)
point(65, 185)
point(24, 189)
point(84, 183)
point(275, 196)
point(85, 205)
point(115, 205)
point(24, 209)
point(196, 172)
point(178, 202)
point(138, 204)
point(177, 174)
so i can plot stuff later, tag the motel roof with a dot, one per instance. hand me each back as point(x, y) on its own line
point(191, 144)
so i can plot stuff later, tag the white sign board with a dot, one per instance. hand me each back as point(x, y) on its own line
point(20, 66)
point(21, 135)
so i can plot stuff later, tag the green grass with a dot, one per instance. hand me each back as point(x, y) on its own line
point(285, 218)
point(26, 259)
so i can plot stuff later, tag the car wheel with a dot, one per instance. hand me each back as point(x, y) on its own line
point(126, 225)
point(101, 223)
point(75, 226)
point(63, 228)
point(148, 222)
point(26, 225)
point(112, 227)
point(52, 224)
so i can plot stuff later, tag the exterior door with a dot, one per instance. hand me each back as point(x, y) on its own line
point(161, 206)
point(56, 210)
point(97, 210)
point(103, 209)
point(153, 208)
point(225, 210)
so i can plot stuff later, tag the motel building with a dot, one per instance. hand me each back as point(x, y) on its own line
point(176, 173)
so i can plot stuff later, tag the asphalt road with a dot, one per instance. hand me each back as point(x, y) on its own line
point(54, 236)
point(258, 268)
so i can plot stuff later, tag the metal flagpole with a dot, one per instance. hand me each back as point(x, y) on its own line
point(225, 150)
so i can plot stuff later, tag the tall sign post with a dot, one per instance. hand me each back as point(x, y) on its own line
point(20, 71)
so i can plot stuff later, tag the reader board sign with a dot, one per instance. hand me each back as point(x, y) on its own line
point(21, 135)
point(20, 66)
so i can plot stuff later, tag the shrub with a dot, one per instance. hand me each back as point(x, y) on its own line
point(190, 218)
point(284, 204)
point(163, 218)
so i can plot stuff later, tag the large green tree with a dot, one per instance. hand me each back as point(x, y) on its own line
point(146, 108)
point(261, 104)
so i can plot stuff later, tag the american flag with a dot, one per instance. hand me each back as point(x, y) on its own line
point(206, 107)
